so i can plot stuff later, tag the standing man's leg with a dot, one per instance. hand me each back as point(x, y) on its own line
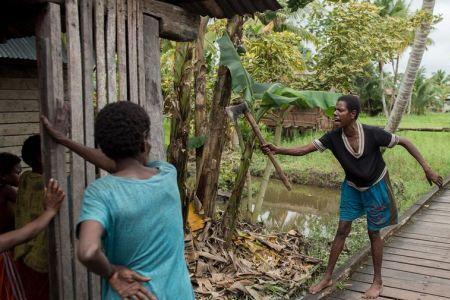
point(336, 249)
point(376, 245)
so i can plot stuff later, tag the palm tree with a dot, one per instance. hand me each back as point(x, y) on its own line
point(389, 8)
point(415, 58)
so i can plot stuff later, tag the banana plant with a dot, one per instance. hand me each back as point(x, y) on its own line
point(260, 97)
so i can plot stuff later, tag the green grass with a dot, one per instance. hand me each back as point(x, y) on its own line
point(428, 120)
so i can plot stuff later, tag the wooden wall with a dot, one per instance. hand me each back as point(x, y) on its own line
point(19, 104)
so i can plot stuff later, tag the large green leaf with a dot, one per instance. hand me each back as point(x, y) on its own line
point(281, 96)
point(242, 82)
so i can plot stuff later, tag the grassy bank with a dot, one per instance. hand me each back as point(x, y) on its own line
point(428, 120)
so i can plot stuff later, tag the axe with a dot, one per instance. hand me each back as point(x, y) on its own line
point(234, 112)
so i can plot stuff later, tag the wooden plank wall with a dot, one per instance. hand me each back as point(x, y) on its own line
point(113, 53)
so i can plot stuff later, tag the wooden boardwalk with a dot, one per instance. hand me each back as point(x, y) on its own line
point(416, 260)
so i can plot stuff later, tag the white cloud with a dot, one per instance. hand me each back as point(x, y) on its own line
point(437, 56)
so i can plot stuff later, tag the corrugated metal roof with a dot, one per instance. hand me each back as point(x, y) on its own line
point(226, 8)
point(20, 48)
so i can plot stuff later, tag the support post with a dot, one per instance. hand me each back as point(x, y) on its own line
point(50, 70)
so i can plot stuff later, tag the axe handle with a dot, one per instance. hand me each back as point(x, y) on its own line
point(280, 172)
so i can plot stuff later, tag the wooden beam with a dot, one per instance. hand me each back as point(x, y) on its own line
point(133, 90)
point(50, 70)
point(154, 101)
point(99, 9)
point(175, 23)
point(140, 53)
point(111, 50)
point(122, 49)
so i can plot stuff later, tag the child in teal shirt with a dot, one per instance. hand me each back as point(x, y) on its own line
point(130, 227)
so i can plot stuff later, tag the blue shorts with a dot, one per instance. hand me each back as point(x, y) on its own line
point(377, 203)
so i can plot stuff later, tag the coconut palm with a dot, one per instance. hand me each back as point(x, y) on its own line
point(415, 58)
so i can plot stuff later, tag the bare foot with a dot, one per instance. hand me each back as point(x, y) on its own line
point(374, 291)
point(324, 283)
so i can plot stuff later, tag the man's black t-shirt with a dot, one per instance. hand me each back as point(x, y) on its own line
point(366, 167)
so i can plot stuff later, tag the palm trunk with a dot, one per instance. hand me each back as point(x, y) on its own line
point(179, 127)
point(269, 167)
point(207, 181)
point(395, 63)
point(200, 87)
point(415, 58)
point(383, 97)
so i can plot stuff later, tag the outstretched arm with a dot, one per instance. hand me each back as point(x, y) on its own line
point(93, 155)
point(52, 202)
point(429, 173)
point(294, 151)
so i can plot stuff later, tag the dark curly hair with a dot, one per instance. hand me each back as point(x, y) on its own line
point(31, 151)
point(7, 163)
point(352, 103)
point(120, 129)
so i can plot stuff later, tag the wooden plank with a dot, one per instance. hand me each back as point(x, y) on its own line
point(13, 140)
point(417, 261)
point(351, 295)
point(140, 52)
point(9, 83)
point(132, 52)
point(436, 212)
point(422, 237)
point(75, 95)
point(415, 269)
point(87, 48)
point(19, 105)
point(19, 117)
point(417, 247)
point(441, 206)
point(391, 292)
point(431, 229)
point(111, 50)
point(429, 244)
point(18, 129)
point(393, 273)
point(175, 23)
point(122, 49)
point(100, 53)
point(50, 69)
point(434, 289)
point(154, 101)
point(418, 254)
point(433, 219)
point(19, 94)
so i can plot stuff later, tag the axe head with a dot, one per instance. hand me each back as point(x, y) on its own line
point(235, 111)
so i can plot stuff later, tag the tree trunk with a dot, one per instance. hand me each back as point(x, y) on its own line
point(383, 97)
point(179, 126)
point(231, 214)
point(207, 181)
point(395, 64)
point(269, 167)
point(404, 96)
point(200, 87)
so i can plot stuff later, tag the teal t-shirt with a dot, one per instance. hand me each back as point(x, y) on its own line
point(143, 229)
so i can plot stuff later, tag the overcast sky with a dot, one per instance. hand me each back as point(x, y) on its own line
point(437, 56)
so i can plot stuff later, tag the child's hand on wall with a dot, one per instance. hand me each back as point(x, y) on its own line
point(54, 196)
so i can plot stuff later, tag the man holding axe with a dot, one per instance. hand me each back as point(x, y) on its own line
point(366, 189)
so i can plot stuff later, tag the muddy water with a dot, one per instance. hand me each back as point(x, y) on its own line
point(300, 208)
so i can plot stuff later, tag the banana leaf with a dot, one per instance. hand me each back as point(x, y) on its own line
point(272, 94)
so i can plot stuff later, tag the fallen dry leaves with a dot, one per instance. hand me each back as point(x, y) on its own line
point(258, 265)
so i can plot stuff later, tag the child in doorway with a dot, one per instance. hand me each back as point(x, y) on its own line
point(11, 287)
point(32, 257)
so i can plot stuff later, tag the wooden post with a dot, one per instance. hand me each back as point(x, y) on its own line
point(122, 49)
point(132, 52)
point(154, 100)
point(140, 52)
point(77, 171)
point(87, 48)
point(111, 50)
point(100, 53)
point(49, 59)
